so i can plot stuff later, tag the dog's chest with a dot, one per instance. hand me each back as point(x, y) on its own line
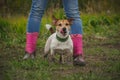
point(55, 44)
point(61, 45)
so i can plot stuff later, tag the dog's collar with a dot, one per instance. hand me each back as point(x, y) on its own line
point(62, 39)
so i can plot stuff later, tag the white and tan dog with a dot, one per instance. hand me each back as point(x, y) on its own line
point(60, 40)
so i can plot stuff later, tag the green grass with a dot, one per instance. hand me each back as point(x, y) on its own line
point(101, 48)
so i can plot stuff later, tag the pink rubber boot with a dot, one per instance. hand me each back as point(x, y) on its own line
point(77, 49)
point(31, 40)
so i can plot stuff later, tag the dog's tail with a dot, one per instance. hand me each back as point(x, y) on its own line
point(49, 27)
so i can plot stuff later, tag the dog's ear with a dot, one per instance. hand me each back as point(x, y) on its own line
point(70, 20)
point(54, 20)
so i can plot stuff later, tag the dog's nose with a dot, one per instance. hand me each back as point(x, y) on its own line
point(64, 29)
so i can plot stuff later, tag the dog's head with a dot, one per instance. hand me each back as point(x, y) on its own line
point(62, 26)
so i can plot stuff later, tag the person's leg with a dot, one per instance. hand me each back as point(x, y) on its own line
point(72, 11)
point(33, 26)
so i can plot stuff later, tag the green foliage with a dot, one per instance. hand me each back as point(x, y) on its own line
point(13, 28)
point(4, 28)
point(100, 25)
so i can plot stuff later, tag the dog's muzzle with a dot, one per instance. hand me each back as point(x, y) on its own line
point(63, 31)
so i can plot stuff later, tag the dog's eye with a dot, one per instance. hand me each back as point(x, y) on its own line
point(66, 24)
point(59, 24)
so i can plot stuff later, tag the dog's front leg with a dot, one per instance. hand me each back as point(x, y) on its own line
point(71, 51)
point(70, 55)
point(52, 53)
point(61, 59)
